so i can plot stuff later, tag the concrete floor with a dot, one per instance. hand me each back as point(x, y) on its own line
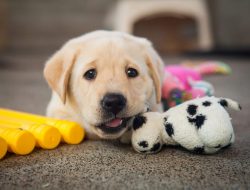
point(111, 165)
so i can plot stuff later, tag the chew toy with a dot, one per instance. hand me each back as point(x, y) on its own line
point(184, 82)
point(3, 148)
point(47, 137)
point(201, 125)
point(72, 133)
point(19, 141)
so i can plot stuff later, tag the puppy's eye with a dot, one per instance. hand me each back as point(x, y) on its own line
point(90, 74)
point(132, 73)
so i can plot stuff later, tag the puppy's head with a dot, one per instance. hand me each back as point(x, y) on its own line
point(106, 77)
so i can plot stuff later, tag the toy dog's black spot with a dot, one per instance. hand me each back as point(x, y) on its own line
point(156, 147)
point(143, 144)
point(206, 103)
point(139, 121)
point(143, 151)
point(198, 121)
point(198, 150)
point(192, 109)
point(169, 129)
point(223, 102)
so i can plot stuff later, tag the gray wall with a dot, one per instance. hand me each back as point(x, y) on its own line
point(231, 23)
point(44, 25)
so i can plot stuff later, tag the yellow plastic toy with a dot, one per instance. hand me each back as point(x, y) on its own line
point(19, 141)
point(47, 137)
point(3, 147)
point(20, 132)
point(72, 132)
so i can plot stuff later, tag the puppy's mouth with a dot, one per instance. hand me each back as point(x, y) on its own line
point(114, 126)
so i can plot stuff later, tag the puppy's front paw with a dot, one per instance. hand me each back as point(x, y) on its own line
point(126, 137)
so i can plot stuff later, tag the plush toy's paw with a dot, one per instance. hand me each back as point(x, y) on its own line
point(145, 137)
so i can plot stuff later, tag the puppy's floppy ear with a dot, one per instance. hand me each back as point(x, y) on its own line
point(57, 70)
point(155, 66)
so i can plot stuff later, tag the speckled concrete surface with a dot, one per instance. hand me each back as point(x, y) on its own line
point(111, 165)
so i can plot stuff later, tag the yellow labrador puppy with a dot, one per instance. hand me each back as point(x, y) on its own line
point(102, 79)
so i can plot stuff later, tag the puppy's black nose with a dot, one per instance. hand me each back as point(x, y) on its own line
point(113, 103)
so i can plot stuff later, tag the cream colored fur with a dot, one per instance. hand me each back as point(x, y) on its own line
point(110, 53)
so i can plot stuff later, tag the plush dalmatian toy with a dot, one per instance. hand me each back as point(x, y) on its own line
point(200, 125)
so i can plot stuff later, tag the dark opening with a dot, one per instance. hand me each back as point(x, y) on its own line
point(169, 34)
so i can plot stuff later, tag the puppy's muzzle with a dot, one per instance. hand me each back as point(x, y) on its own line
point(113, 103)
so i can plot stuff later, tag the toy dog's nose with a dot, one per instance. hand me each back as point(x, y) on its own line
point(113, 102)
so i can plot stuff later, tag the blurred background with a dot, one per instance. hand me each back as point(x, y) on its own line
point(31, 31)
point(35, 26)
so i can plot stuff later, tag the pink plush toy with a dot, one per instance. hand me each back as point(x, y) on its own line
point(184, 82)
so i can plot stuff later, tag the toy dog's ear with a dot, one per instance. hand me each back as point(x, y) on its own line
point(57, 70)
point(155, 66)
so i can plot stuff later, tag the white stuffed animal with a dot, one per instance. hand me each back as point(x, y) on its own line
point(200, 125)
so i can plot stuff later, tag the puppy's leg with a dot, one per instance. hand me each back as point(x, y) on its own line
point(126, 137)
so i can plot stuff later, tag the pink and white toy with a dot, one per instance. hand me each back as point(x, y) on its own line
point(184, 82)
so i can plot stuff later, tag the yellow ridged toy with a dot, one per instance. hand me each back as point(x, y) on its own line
point(46, 136)
point(19, 141)
point(20, 132)
point(3, 147)
point(72, 132)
